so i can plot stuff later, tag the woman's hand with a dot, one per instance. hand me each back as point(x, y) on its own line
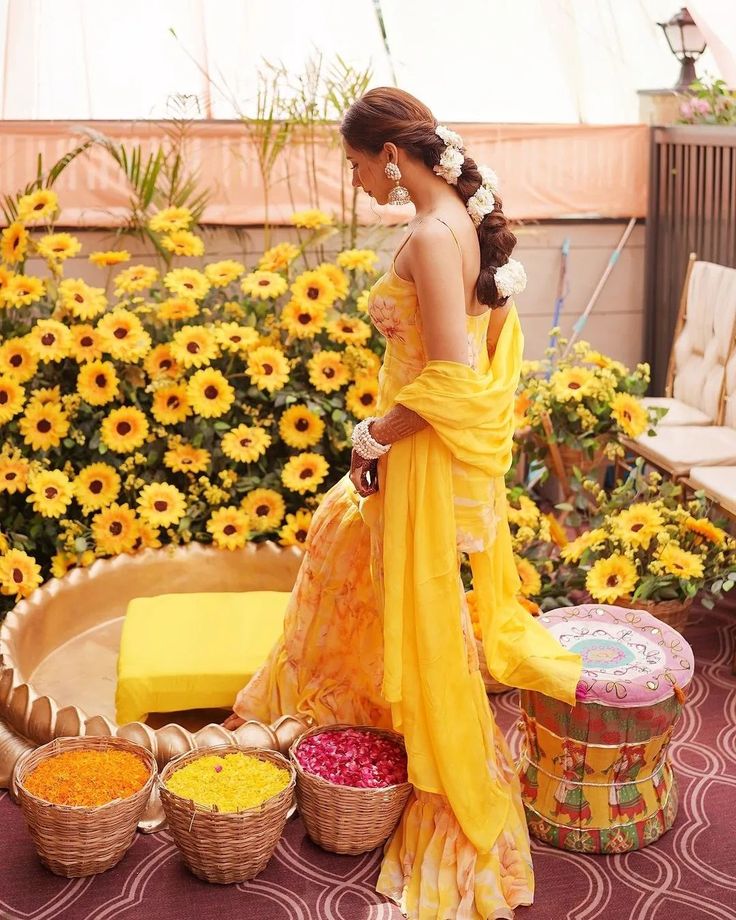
point(232, 722)
point(363, 474)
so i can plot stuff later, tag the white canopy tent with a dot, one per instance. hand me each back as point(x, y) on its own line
point(542, 61)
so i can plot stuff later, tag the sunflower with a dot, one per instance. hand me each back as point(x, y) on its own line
point(115, 530)
point(311, 219)
point(124, 429)
point(109, 257)
point(184, 458)
point(23, 290)
point(268, 368)
point(300, 427)
point(296, 529)
point(187, 282)
point(363, 260)
point(194, 346)
point(337, 277)
point(531, 581)
point(234, 338)
point(315, 288)
point(5, 278)
point(135, 279)
point(630, 414)
point(161, 504)
point(12, 398)
point(96, 486)
point(263, 285)
point(589, 539)
point(210, 395)
point(43, 425)
point(349, 330)
point(361, 362)
point(362, 398)
point(124, 336)
point(705, 528)
point(97, 383)
point(80, 299)
point(49, 340)
point(680, 562)
point(61, 563)
point(362, 301)
point(523, 512)
point(147, 537)
point(20, 574)
point(45, 395)
point(14, 472)
point(171, 404)
point(278, 257)
point(265, 509)
point(56, 247)
point(160, 362)
point(246, 443)
point(220, 274)
point(638, 525)
point(17, 359)
point(176, 308)
point(50, 492)
point(37, 205)
point(14, 243)
point(183, 243)
point(169, 219)
point(305, 472)
point(327, 372)
point(610, 578)
point(229, 527)
point(572, 383)
point(87, 343)
point(303, 319)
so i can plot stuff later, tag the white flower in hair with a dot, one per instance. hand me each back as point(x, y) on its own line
point(451, 138)
point(480, 203)
point(489, 179)
point(450, 165)
point(510, 278)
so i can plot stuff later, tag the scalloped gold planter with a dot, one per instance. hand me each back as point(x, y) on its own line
point(58, 649)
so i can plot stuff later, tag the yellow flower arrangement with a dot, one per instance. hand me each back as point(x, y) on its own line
point(14, 243)
point(279, 257)
point(265, 509)
point(38, 206)
point(262, 285)
point(311, 219)
point(364, 260)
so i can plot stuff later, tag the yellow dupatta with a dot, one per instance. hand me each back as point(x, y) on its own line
point(438, 704)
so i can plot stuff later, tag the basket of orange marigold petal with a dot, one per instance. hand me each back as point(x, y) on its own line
point(351, 785)
point(82, 799)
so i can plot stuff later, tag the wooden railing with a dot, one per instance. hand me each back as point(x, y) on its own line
point(692, 208)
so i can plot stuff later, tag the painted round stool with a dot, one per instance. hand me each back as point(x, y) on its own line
point(595, 778)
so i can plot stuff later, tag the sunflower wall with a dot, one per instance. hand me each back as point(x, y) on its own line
point(163, 405)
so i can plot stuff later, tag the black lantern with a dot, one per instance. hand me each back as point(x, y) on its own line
point(686, 43)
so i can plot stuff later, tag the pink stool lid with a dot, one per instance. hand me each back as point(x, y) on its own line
point(630, 658)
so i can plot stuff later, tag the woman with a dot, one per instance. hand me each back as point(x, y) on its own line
point(378, 630)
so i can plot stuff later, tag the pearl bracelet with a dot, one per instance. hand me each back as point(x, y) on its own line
point(365, 444)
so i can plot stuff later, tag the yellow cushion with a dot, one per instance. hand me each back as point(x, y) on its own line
point(193, 651)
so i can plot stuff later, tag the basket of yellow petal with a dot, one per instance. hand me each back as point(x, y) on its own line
point(351, 785)
point(226, 808)
point(82, 799)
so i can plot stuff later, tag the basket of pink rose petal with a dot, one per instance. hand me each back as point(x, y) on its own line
point(351, 785)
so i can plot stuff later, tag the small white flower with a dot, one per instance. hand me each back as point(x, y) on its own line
point(489, 179)
point(451, 138)
point(480, 204)
point(510, 278)
point(450, 165)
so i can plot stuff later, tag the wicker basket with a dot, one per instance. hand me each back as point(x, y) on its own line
point(78, 840)
point(490, 683)
point(226, 847)
point(346, 819)
point(673, 613)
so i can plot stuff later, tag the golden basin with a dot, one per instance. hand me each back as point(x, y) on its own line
point(58, 651)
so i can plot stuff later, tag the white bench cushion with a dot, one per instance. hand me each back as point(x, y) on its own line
point(678, 412)
point(681, 447)
point(718, 482)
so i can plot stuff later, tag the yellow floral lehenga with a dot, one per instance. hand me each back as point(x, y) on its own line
point(378, 631)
